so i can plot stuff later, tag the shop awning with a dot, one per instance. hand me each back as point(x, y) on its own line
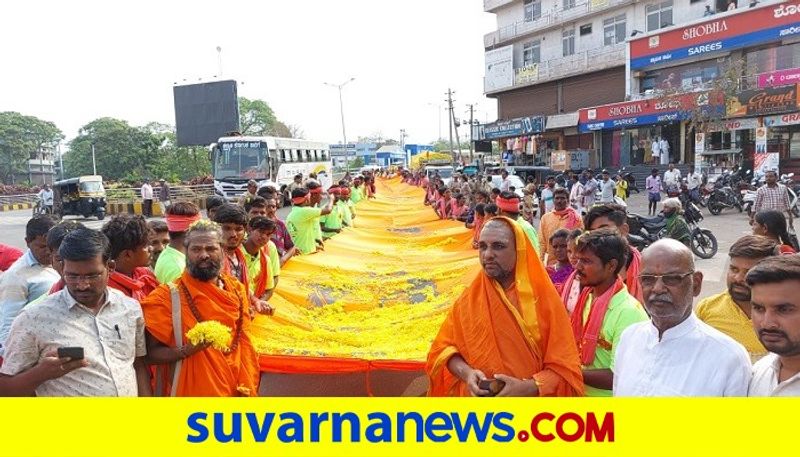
point(715, 152)
point(560, 121)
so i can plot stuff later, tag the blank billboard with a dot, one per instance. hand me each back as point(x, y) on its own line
point(204, 112)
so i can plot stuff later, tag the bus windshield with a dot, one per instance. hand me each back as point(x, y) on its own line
point(241, 160)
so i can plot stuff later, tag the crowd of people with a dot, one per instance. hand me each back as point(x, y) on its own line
point(573, 309)
point(109, 312)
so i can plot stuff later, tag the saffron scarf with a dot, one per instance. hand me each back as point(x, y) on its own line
point(573, 221)
point(586, 335)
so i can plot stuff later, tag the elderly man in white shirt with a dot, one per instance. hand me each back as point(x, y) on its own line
point(672, 177)
point(774, 283)
point(693, 182)
point(675, 354)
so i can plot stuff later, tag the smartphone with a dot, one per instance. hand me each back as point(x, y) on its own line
point(74, 353)
point(494, 386)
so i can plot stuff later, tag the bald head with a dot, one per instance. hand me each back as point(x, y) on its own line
point(669, 283)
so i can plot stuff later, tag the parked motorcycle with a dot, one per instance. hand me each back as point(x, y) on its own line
point(723, 195)
point(645, 231)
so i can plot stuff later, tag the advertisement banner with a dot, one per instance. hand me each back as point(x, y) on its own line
point(734, 124)
point(507, 129)
point(779, 78)
point(763, 163)
point(739, 29)
point(699, 143)
point(783, 119)
point(768, 100)
point(499, 69)
point(527, 74)
point(761, 140)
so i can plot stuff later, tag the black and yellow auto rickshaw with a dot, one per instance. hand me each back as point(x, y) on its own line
point(83, 196)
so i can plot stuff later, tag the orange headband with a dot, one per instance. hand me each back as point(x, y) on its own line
point(510, 205)
point(316, 190)
point(180, 223)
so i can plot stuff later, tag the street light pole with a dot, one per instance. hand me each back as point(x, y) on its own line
point(94, 164)
point(341, 110)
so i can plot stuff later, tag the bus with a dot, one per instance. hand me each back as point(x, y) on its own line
point(268, 160)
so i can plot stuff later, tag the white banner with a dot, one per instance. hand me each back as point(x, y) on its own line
point(761, 140)
point(783, 119)
point(699, 143)
point(499, 69)
point(734, 124)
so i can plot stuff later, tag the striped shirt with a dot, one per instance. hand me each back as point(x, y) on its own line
point(771, 198)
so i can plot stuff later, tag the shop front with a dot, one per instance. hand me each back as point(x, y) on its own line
point(628, 132)
point(520, 140)
point(783, 137)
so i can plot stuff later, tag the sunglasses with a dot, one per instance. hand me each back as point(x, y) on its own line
point(671, 280)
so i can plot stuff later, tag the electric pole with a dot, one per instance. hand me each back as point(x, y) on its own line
point(471, 122)
point(450, 120)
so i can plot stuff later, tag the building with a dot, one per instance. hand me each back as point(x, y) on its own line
point(40, 168)
point(390, 155)
point(586, 74)
point(413, 149)
point(340, 154)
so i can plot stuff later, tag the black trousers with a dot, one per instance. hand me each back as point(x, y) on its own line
point(147, 208)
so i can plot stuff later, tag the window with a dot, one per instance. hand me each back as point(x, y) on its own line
point(659, 15)
point(531, 53)
point(533, 10)
point(586, 29)
point(568, 4)
point(614, 30)
point(568, 42)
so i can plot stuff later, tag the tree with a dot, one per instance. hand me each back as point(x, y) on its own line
point(256, 118)
point(21, 138)
point(121, 150)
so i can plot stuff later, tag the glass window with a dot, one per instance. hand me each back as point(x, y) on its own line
point(531, 53)
point(295, 155)
point(659, 15)
point(614, 30)
point(533, 10)
point(568, 4)
point(568, 42)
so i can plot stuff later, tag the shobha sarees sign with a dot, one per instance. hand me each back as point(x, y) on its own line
point(721, 32)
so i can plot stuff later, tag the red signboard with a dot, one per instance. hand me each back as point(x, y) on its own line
point(682, 102)
point(717, 28)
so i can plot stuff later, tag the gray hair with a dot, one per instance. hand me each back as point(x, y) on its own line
point(673, 203)
point(202, 226)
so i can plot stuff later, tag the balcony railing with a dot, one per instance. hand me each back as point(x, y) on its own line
point(491, 5)
point(563, 67)
point(549, 19)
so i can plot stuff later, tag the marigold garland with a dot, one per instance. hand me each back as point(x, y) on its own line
point(213, 332)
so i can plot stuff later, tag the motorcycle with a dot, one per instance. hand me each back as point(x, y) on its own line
point(793, 189)
point(645, 231)
point(723, 195)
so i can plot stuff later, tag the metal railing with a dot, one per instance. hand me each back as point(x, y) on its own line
point(17, 199)
point(549, 19)
point(562, 67)
point(489, 5)
point(177, 193)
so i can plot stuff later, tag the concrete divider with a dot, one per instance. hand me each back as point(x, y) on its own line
point(15, 206)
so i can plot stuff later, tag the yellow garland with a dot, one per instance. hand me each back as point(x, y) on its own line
point(211, 332)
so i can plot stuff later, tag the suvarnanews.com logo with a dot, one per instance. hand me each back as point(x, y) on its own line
point(400, 427)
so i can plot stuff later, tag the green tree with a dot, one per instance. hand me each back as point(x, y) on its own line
point(356, 163)
point(121, 150)
point(255, 117)
point(21, 137)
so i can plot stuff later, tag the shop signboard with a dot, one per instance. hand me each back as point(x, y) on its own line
point(730, 125)
point(649, 111)
point(558, 160)
point(699, 143)
point(779, 77)
point(768, 100)
point(720, 33)
point(527, 74)
point(499, 69)
point(783, 119)
point(508, 129)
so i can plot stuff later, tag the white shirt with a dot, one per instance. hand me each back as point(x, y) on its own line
point(691, 360)
point(656, 148)
point(671, 178)
point(505, 186)
point(663, 146)
point(547, 199)
point(765, 379)
point(111, 340)
point(607, 191)
point(47, 196)
point(576, 195)
point(147, 191)
point(694, 180)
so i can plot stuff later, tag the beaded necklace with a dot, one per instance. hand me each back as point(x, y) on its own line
point(237, 333)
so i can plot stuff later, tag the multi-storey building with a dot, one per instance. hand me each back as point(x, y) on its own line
point(589, 73)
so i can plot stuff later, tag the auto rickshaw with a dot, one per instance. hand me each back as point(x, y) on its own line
point(83, 196)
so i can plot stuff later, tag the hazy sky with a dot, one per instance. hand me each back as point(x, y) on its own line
point(73, 61)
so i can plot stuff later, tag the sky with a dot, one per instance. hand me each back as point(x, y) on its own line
point(71, 62)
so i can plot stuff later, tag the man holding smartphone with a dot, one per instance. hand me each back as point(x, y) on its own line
point(86, 318)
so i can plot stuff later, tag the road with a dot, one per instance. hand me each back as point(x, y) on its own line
point(727, 227)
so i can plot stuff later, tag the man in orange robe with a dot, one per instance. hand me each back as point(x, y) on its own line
point(205, 294)
point(508, 325)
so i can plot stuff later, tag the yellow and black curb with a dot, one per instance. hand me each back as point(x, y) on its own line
point(16, 206)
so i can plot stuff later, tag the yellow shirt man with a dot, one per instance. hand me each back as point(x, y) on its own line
point(722, 313)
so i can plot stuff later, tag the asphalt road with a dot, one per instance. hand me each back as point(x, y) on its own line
point(727, 227)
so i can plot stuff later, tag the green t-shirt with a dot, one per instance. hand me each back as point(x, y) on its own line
point(623, 311)
point(302, 225)
point(274, 262)
point(344, 209)
point(170, 265)
point(332, 220)
point(356, 195)
point(530, 231)
point(254, 265)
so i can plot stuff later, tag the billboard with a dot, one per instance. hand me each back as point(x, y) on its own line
point(736, 30)
point(204, 112)
point(769, 100)
point(499, 69)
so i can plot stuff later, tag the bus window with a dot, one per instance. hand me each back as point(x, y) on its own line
point(295, 155)
point(314, 155)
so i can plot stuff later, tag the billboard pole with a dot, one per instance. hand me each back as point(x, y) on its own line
point(341, 111)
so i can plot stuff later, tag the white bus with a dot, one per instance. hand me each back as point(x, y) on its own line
point(268, 160)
